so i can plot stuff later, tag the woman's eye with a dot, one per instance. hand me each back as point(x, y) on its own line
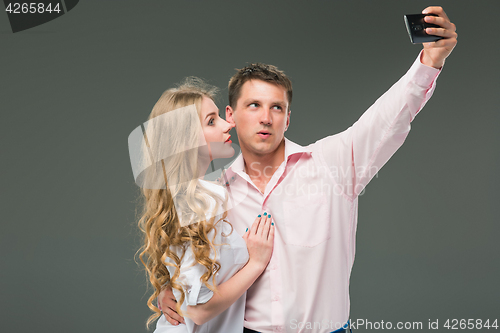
point(211, 121)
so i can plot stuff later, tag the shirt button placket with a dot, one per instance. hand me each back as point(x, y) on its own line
point(277, 318)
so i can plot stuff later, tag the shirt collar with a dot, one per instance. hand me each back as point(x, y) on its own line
point(291, 148)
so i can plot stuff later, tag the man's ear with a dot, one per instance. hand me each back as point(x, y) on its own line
point(229, 115)
point(288, 120)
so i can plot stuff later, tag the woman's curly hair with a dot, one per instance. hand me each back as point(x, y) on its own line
point(176, 177)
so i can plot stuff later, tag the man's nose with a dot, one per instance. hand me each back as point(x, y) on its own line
point(265, 117)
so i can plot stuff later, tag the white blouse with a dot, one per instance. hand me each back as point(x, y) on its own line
point(232, 256)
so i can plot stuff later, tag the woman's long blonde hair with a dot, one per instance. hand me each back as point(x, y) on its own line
point(176, 177)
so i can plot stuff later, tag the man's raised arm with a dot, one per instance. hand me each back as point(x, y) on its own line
point(361, 150)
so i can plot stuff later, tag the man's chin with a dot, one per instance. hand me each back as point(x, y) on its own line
point(265, 150)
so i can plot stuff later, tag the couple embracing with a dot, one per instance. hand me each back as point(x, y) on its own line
point(270, 247)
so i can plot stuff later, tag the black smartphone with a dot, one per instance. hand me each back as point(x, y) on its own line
point(415, 25)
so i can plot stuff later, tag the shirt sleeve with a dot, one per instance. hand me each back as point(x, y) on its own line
point(195, 291)
point(357, 154)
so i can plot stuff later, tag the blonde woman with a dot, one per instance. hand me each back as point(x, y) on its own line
point(188, 243)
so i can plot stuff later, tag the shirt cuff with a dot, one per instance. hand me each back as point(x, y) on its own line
point(198, 293)
point(423, 75)
point(205, 295)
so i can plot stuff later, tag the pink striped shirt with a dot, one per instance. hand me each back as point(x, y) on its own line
point(313, 198)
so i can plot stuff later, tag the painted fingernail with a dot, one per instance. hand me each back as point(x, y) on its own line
point(246, 230)
point(258, 215)
point(265, 213)
point(269, 215)
point(272, 223)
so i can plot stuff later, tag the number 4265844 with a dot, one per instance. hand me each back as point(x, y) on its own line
point(455, 324)
point(33, 7)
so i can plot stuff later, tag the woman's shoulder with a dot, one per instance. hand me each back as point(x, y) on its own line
point(214, 187)
point(221, 196)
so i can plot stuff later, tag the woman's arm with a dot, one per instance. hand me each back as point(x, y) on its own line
point(259, 240)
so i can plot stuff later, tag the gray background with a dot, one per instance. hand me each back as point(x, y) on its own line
point(73, 89)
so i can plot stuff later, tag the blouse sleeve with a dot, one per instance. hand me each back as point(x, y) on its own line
point(195, 291)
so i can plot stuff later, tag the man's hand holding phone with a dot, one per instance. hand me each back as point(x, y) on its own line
point(436, 52)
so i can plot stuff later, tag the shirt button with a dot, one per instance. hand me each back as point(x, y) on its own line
point(278, 328)
point(276, 298)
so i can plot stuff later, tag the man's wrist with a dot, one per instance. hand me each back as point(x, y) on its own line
point(428, 61)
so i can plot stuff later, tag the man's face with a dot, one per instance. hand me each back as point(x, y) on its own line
point(261, 117)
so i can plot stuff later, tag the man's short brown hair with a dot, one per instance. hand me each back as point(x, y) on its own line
point(258, 71)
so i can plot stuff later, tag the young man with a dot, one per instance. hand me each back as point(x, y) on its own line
point(312, 192)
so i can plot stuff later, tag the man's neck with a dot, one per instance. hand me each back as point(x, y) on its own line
point(261, 168)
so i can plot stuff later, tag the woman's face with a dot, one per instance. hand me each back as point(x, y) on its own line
point(215, 130)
